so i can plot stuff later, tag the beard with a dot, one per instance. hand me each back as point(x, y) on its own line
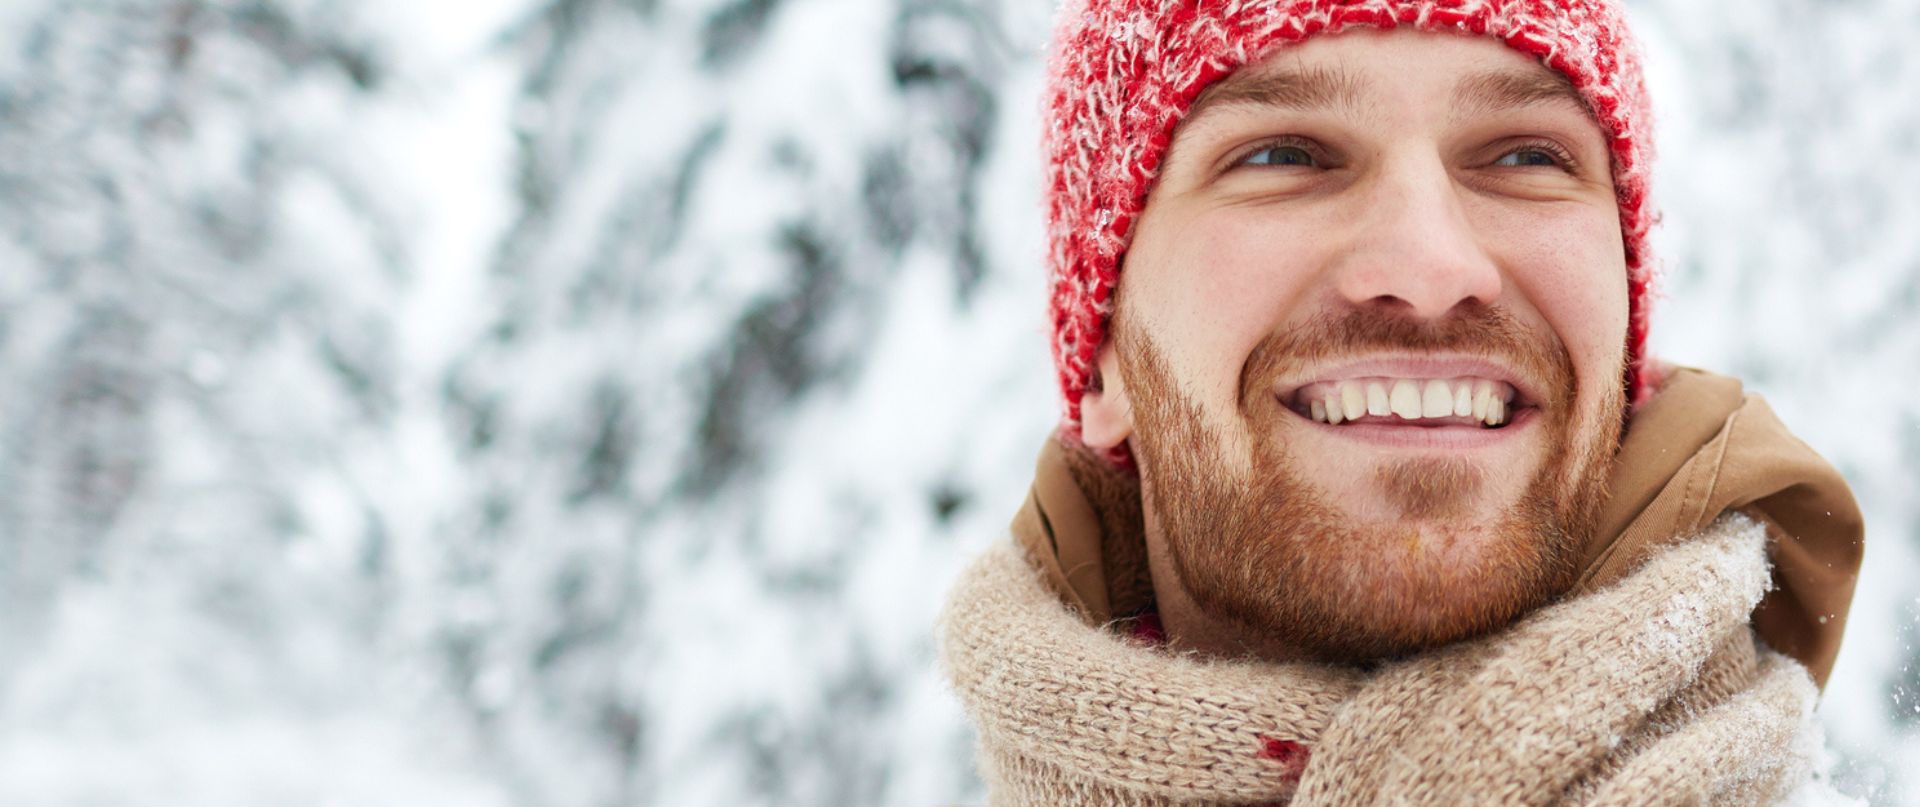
point(1266, 551)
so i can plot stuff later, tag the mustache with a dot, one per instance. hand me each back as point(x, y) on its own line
point(1472, 329)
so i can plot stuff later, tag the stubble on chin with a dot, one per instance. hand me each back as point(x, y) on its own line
point(1429, 489)
point(1265, 552)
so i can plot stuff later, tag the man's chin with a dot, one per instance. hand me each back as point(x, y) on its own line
point(1386, 558)
point(1432, 547)
point(1427, 583)
point(1450, 511)
point(1411, 587)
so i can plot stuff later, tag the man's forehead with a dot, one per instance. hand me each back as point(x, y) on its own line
point(1288, 84)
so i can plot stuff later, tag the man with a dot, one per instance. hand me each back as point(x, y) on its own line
point(1367, 489)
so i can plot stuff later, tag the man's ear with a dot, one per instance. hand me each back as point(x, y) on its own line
point(1106, 415)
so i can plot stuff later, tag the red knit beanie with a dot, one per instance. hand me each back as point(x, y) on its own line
point(1124, 72)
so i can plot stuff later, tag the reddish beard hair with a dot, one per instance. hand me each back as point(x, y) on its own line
point(1267, 553)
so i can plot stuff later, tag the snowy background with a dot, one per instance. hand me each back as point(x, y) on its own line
point(570, 403)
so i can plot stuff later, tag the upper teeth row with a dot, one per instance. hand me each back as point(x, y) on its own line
point(1409, 399)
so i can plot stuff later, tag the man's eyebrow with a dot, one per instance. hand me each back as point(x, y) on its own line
point(1492, 91)
point(1317, 88)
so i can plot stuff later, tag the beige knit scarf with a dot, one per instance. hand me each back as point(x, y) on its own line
point(1652, 690)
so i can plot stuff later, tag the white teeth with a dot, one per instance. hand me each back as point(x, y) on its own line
point(1436, 401)
point(1353, 400)
point(1406, 400)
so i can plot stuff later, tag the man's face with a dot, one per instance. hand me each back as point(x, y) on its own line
point(1350, 244)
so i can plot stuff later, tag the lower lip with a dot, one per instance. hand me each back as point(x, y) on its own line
point(1443, 437)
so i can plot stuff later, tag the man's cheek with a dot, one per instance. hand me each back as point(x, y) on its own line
point(1233, 294)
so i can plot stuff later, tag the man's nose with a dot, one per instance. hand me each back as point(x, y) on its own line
point(1415, 251)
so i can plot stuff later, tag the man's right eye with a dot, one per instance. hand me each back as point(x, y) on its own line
point(1281, 154)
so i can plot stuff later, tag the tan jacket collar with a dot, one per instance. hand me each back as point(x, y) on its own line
point(1699, 448)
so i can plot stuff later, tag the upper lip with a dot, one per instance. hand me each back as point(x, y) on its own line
point(1416, 366)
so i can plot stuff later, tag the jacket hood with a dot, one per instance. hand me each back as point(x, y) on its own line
point(1700, 447)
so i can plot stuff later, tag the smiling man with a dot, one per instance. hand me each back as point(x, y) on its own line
point(1367, 488)
point(1369, 344)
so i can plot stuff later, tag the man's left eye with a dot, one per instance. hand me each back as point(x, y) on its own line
point(1531, 156)
point(1282, 154)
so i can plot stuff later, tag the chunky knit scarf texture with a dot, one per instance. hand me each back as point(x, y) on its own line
point(1651, 691)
